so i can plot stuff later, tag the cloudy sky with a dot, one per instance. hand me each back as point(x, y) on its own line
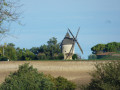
point(99, 22)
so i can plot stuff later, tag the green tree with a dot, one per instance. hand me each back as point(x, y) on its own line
point(19, 54)
point(41, 56)
point(97, 48)
point(25, 54)
point(52, 41)
point(10, 53)
point(53, 47)
point(112, 47)
point(27, 78)
point(50, 51)
point(29, 55)
point(11, 44)
point(35, 50)
point(43, 49)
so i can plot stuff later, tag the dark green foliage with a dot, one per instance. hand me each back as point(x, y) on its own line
point(10, 52)
point(28, 78)
point(3, 58)
point(18, 54)
point(41, 56)
point(75, 57)
point(92, 57)
point(11, 45)
point(97, 48)
point(110, 47)
point(105, 77)
point(35, 50)
point(64, 84)
point(29, 55)
point(108, 57)
point(60, 56)
point(101, 49)
point(51, 51)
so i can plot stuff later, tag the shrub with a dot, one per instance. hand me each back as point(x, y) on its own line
point(3, 58)
point(64, 84)
point(28, 78)
point(92, 57)
point(74, 57)
point(105, 77)
point(60, 56)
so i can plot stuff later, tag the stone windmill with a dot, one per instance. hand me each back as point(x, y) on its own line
point(68, 45)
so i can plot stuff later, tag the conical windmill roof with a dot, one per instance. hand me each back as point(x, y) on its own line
point(67, 35)
point(67, 40)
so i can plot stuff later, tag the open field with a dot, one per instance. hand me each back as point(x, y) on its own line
point(76, 71)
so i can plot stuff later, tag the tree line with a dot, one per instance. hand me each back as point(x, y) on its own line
point(50, 51)
point(103, 48)
point(110, 47)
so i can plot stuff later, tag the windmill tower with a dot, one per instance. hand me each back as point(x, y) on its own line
point(68, 44)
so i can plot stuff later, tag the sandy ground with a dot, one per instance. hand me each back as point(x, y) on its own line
point(76, 71)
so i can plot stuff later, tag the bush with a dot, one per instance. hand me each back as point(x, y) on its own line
point(74, 57)
point(105, 77)
point(64, 84)
point(3, 58)
point(92, 57)
point(28, 78)
point(60, 56)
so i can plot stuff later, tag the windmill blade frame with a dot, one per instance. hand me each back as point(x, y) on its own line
point(75, 39)
point(79, 47)
point(71, 33)
point(77, 33)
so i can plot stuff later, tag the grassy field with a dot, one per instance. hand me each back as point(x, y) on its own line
point(76, 71)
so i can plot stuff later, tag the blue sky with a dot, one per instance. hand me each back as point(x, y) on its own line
point(99, 22)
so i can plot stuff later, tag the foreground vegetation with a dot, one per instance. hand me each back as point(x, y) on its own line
point(105, 77)
point(106, 73)
point(28, 78)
